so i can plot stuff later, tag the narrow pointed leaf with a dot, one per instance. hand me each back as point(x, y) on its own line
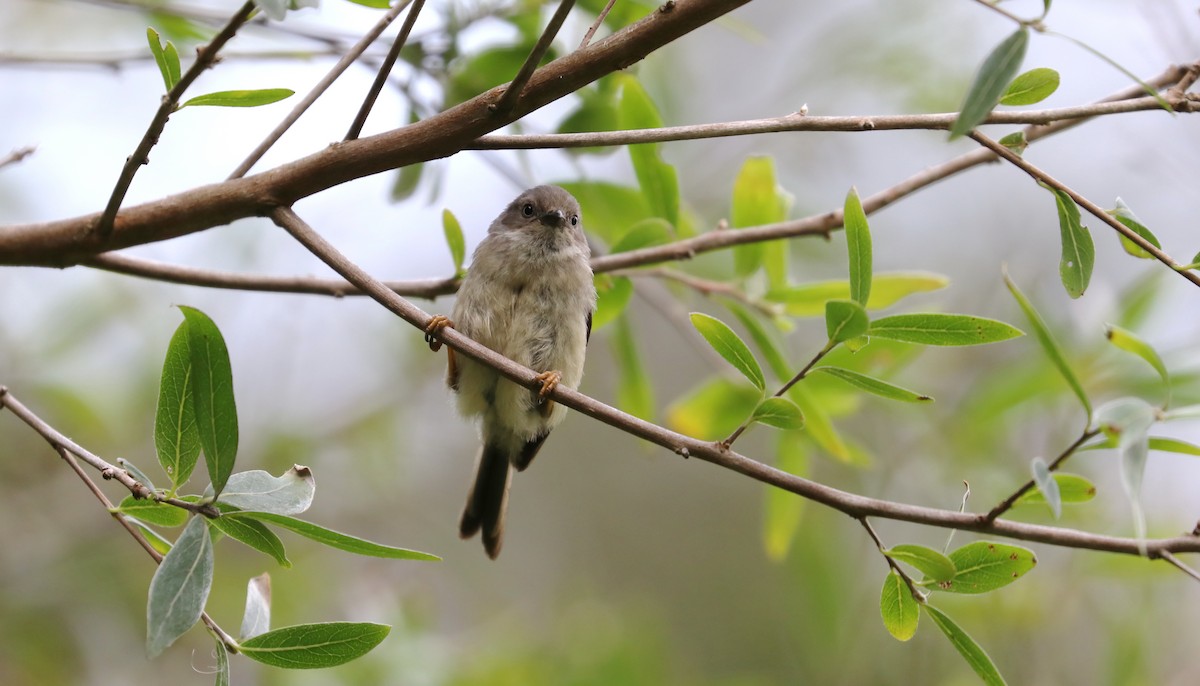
point(1130, 342)
point(758, 200)
point(454, 240)
point(994, 75)
point(1128, 421)
point(176, 435)
point(156, 541)
point(780, 413)
point(1031, 87)
point(179, 588)
point(242, 98)
point(331, 538)
point(1123, 214)
point(1046, 485)
point(288, 494)
point(729, 346)
point(256, 620)
point(167, 58)
point(783, 510)
point(212, 393)
point(1072, 488)
point(764, 339)
point(658, 180)
point(818, 425)
point(1049, 345)
point(252, 533)
point(1174, 445)
point(844, 320)
point(714, 409)
point(313, 646)
point(152, 512)
point(942, 329)
point(635, 395)
point(870, 384)
point(928, 561)
point(967, 647)
point(887, 288)
point(1078, 251)
point(985, 566)
point(858, 243)
point(899, 609)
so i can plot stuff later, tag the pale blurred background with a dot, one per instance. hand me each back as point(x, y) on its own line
point(622, 563)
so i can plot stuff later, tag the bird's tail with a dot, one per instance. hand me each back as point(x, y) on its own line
point(488, 499)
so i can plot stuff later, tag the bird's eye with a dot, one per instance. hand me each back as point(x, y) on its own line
point(527, 209)
point(574, 220)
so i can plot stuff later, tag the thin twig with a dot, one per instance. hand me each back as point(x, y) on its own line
point(205, 57)
point(318, 90)
point(783, 389)
point(1011, 500)
point(1096, 211)
point(587, 37)
point(1035, 24)
point(381, 76)
point(513, 90)
point(17, 155)
point(706, 287)
point(851, 504)
point(1180, 565)
point(916, 592)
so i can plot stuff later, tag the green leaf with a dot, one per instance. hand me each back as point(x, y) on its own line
point(634, 393)
point(612, 296)
point(845, 319)
point(244, 98)
point(176, 436)
point(1150, 90)
point(252, 533)
point(289, 493)
point(1130, 342)
point(808, 300)
point(763, 339)
point(212, 393)
point(783, 510)
point(1078, 252)
point(818, 425)
point(870, 384)
point(994, 75)
point(1123, 214)
point(729, 346)
point(313, 646)
point(179, 588)
point(597, 111)
point(942, 329)
point(156, 541)
point(152, 512)
point(928, 561)
point(1031, 87)
point(1072, 488)
point(758, 200)
point(256, 620)
point(781, 413)
point(899, 609)
point(483, 71)
point(610, 209)
point(967, 647)
point(858, 243)
point(331, 538)
point(658, 180)
point(407, 181)
point(167, 59)
point(985, 566)
point(1016, 142)
point(713, 410)
point(644, 234)
point(375, 4)
point(454, 240)
point(1046, 485)
point(1046, 339)
point(1174, 445)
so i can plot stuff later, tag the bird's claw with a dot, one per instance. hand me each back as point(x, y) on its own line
point(436, 323)
point(549, 381)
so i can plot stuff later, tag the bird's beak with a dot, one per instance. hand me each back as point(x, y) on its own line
point(555, 218)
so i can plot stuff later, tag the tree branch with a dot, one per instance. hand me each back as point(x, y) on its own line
point(851, 504)
point(513, 90)
point(205, 57)
point(1070, 450)
point(381, 75)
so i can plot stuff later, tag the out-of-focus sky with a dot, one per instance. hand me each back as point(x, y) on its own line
point(622, 563)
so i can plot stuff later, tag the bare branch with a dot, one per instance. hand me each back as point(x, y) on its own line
point(384, 69)
point(1180, 565)
point(587, 37)
point(851, 504)
point(1096, 211)
point(513, 90)
point(17, 155)
point(1070, 450)
point(318, 90)
point(205, 57)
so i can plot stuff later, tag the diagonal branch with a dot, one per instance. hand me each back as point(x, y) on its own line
point(1096, 211)
point(205, 57)
point(384, 69)
point(514, 89)
point(851, 504)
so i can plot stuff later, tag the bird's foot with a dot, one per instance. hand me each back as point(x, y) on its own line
point(436, 323)
point(549, 382)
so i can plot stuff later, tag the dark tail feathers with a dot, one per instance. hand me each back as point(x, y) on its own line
point(488, 500)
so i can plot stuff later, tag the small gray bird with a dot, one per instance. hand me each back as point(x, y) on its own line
point(528, 296)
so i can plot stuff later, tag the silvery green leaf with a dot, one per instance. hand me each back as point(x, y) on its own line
point(288, 494)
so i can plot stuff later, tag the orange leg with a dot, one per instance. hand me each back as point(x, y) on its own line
point(436, 323)
point(549, 382)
